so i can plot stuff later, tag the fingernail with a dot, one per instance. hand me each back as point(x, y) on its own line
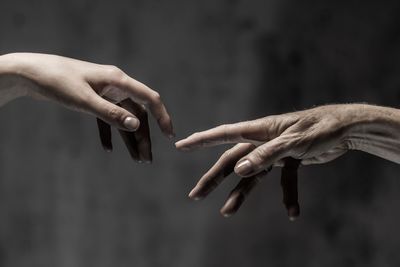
point(179, 145)
point(225, 212)
point(244, 168)
point(194, 194)
point(229, 208)
point(293, 213)
point(131, 123)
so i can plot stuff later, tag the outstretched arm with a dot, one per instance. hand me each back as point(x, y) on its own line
point(312, 136)
point(103, 91)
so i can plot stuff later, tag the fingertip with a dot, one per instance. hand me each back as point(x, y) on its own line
point(231, 206)
point(171, 131)
point(195, 194)
point(168, 132)
point(225, 214)
point(180, 142)
point(195, 198)
point(166, 126)
point(192, 193)
point(108, 149)
point(293, 212)
point(226, 211)
point(146, 156)
point(150, 159)
point(180, 145)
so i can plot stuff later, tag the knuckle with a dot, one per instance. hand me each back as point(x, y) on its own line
point(155, 98)
point(115, 72)
point(197, 138)
point(85, 101)
point(224, 128)
point(259, 155)
point(114, 114)
point(227, 154)
point(165, 122)
point(194, 136)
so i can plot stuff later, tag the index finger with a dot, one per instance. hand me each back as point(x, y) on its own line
point(144, 95)
point(242, 132)
point(156, 106)
point(221, 169)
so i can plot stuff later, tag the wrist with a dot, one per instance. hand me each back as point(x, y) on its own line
point(12, 83)
point(370, 123)
point(8, 66)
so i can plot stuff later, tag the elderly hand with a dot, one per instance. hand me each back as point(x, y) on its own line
point(103, 91)
point(313, 136)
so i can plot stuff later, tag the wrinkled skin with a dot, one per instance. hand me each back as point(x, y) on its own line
point(312, 136)
point(103, 91)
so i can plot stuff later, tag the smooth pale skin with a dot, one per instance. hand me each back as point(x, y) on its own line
point(103, 91)
point(312, 136)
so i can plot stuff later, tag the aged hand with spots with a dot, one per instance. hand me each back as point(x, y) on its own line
point(103, 91)
point(312, 136)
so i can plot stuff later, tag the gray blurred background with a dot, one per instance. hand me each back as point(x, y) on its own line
point(66, 203)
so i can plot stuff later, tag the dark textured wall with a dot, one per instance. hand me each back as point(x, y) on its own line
point(64, 202)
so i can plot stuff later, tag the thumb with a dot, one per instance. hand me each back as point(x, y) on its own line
point(264, 156)
point(113, 114)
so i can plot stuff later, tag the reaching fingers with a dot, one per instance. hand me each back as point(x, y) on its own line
point(138, 142)
point(242, 132)
point(112, 114)
point(240, 193)
point(143, 94)
point(264, 156)
point(105, 135)
point(221, 169)
point(290, 187)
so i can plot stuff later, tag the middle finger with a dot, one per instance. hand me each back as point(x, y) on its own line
point(221, 169)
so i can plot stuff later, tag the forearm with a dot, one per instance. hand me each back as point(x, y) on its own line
point(377, 131)
point(12, 84)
